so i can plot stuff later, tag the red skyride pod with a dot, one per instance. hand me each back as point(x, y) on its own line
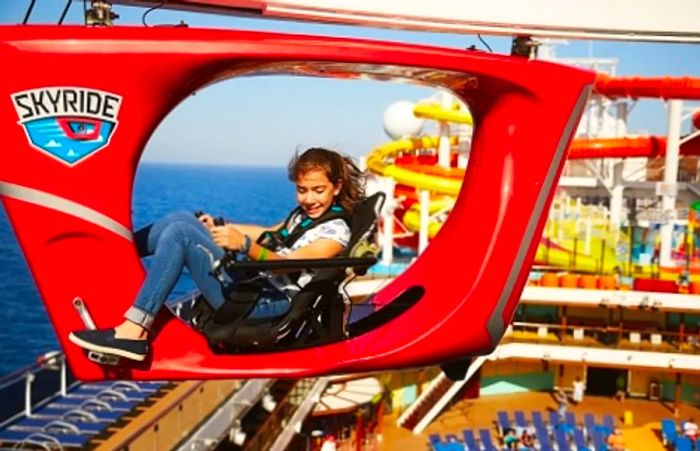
point(71, 208)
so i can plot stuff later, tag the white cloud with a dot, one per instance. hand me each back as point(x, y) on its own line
point(52, 144)
point(71, 153)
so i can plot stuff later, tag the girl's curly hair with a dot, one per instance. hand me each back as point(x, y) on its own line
point(338, 168)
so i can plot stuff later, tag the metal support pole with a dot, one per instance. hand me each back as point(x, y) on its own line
point(617, 198)
point(424, 197)
point(589, 234)
point(669, 187)
point(444, 133)
point(28, 394)
point(388, 222)
point(677, 395)
point(64, 378)
point(577, 216)
point(621, 122)
point(602, 104)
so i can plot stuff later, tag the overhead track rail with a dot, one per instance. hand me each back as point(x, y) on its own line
point(623, 20)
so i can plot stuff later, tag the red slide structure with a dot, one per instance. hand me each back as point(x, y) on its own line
point(687, 88)
point(642, 146)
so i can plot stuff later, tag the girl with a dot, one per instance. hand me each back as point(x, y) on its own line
point(327, 186)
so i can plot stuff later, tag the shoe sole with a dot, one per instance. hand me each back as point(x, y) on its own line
point(105, 350)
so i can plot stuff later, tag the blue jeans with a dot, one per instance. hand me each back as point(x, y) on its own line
point(180, 241)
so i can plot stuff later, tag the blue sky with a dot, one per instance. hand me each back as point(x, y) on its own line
point(261, 121)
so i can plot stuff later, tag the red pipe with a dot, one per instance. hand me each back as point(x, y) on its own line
point(650, 87)
point(643, 146)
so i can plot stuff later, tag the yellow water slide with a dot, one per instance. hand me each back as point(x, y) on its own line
point(378, 158)
point(377, 161)
point(562, 247)
point(435, 111)
point(438, 207)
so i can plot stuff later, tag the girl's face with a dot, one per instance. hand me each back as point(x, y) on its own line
point(315, 192)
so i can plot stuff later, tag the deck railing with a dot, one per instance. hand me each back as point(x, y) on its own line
point(33, 385)
point(621, 336)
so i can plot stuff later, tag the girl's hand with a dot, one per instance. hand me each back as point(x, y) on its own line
point(207, 220)
point(227, 236)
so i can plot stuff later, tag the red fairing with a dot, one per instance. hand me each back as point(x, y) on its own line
point(70, 201)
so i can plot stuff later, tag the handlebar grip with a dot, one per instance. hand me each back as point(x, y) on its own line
point(229, 256)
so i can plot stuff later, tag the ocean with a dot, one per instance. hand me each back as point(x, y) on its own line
point(247, 195)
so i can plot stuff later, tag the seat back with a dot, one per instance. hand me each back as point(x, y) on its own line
point(316, 312)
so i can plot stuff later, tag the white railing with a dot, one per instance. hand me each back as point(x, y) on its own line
point(219, 424)
point(447, 397)
point(295, 423)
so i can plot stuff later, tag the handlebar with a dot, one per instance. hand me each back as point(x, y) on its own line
point(229, 256)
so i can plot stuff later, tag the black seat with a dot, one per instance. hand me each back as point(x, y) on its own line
point(317, 313)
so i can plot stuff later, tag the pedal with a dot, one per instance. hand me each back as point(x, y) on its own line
point(103, 359)
point(97, 357)
point(80, 306)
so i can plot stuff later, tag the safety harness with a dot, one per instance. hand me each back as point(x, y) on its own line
point(296, 225)
point(241, 297)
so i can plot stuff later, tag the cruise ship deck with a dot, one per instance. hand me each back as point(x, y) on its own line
point(643, 434)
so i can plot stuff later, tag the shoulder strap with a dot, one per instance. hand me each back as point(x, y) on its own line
point(290, 231)
point(274, 239)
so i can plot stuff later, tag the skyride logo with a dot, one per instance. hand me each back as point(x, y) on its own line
point(68, 123)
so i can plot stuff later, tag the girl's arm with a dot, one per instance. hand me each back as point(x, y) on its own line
point(321, 248)
point(233, 238)
point(252, 230)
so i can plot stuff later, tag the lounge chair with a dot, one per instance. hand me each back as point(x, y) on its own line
point(537, 420)
point(561, 439)
point(486, 441)
point(108, 394)
point(542, 434)
point(668, 431)
point(599, 440)
point(609, 423)
point(683, 444)
point(470, 440)
point(589, 424)
point(69, 401)
point(137, 386)
point(554, 418)
point(63, 412)
point(50, 425)
point(571, 419)
point(503, 422)
point(44, 440)
point(580, 440)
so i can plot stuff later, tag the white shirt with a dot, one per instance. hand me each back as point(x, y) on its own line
point(336, 230)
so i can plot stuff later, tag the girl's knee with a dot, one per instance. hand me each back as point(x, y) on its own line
point(178, 232)
point(180, 216)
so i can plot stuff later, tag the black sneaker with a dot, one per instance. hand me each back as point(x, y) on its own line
point(103, 340)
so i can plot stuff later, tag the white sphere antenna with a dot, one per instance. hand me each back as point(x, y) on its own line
point(400, 122)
